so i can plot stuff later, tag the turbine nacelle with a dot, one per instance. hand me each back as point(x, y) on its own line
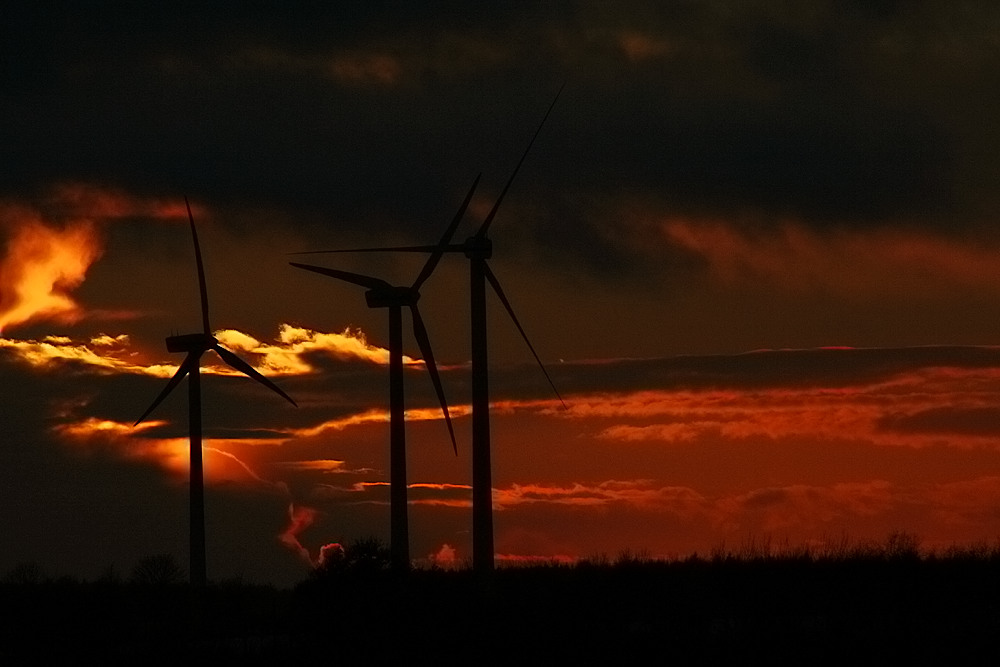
point(478, 247)
point(390, 296)
point(196, 342)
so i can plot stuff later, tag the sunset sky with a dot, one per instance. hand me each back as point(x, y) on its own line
point(756, 245)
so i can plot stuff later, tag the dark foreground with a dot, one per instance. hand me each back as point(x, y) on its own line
point(781, 610)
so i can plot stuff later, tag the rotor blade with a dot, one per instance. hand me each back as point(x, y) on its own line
point(411, 248)
point(201, 272)
point(356, 278)
point(442, 245)
point(250, 371)
point(420, 332)
point(190, 362)
point(489, 218)
point(510, 311)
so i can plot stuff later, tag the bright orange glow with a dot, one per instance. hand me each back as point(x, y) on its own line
point(42, 264)
point(171, 454)
point(92, 426)
point(321, 465)
point(47, 255)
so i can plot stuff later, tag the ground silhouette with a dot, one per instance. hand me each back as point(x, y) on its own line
point(888, 602)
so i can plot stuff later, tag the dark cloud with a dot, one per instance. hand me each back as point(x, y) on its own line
point(827, 112)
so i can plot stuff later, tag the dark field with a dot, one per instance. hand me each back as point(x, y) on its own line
point(888, 604)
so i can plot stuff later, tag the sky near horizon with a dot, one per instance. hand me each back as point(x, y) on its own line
point(755, 244)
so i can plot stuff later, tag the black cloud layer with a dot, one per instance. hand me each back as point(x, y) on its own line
point(835, 113)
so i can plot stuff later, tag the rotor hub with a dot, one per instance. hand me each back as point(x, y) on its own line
point(196, 342)
point(478, 247)
point(389, 297)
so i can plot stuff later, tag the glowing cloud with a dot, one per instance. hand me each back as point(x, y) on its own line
point(325, 466)
point(635, 492)
point(98, 203)
point(286, 357)
point(301, 517)
point(932, 406)
point(50, 247)
point(40, 266)
point(294, 343)
point(444, 557)
point(377, 416)
point(105, 353)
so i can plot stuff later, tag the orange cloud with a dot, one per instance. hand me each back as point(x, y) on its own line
point(378, 416)
point(50, 246)
point(41, 266)
point(104, 353)
point(322, 465)
point(294, 343)
point(300, 518)
point(930, 406)
point(850, 262)
point(444, 558)
point(286, 357)
point(638, 493)
point(83, 200)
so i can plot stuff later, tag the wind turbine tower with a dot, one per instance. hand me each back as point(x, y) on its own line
point(195, 345)
point(381, 294)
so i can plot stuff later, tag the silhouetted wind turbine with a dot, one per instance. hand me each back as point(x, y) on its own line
point(195, 345)
point(478, 249)
point(381, 294)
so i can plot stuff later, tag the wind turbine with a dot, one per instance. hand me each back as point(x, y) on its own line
point(195, 345)
point(479, 248)
point(381, 294)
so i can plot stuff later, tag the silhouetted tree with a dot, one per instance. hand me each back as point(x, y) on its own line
point(362, 556)
point(158, 570)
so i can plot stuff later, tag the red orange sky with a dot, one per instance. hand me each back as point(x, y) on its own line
point(756, 251)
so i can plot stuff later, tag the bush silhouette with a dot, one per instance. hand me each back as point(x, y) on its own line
point(158, 570)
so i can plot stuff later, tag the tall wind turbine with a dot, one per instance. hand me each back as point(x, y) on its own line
point(478, 249)
point(381, 294)
point(195, 345)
